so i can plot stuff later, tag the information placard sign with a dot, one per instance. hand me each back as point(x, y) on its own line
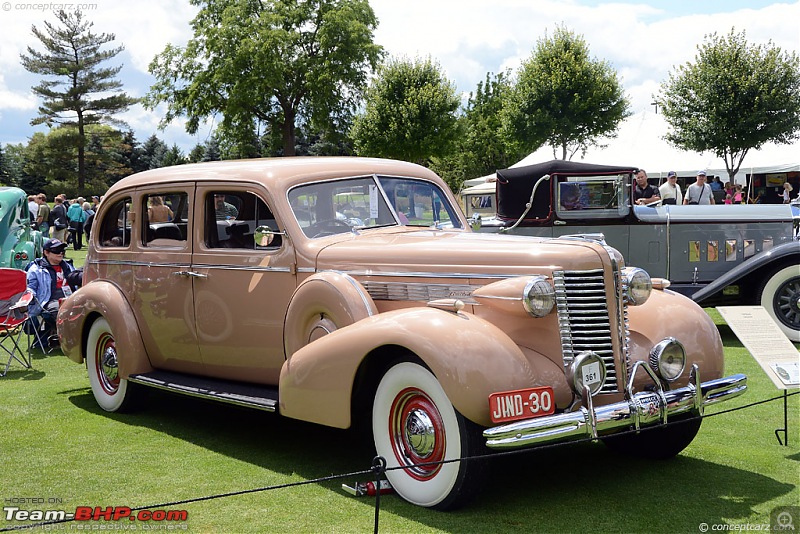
point(768, 345)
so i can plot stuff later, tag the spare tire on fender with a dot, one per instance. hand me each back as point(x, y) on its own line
point(322, 303)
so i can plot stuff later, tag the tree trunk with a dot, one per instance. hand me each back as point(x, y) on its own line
point(81, 154)
point(287, 129)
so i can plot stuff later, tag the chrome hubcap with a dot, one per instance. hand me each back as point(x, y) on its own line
point(108, 362)
point(420, 433)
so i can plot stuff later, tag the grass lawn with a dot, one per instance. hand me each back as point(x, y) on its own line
point(57, 445)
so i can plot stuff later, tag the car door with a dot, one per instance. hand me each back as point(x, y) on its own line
point(162, 295)
point(241, 291)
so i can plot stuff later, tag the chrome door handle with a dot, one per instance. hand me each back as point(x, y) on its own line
point(190, 274)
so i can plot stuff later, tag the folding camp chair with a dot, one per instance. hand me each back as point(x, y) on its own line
point(14, 300)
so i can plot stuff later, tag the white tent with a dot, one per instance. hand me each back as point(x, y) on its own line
point(640, 143)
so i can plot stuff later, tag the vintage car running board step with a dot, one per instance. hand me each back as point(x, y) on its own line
point(259, 397)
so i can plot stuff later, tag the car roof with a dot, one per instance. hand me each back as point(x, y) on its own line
point(283, 172)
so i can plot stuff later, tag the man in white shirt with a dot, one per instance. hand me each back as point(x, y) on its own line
point(699, 192)
point(670, 190)
point(33, 207)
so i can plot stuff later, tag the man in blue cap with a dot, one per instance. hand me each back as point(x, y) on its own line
point(47, 279)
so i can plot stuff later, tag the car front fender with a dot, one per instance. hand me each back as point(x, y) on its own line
point(469, 356)
point(669, 314)
point(82, 308)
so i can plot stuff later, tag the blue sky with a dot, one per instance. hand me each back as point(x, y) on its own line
point(469, 38)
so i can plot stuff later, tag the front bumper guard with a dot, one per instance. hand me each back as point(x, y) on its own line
point(645, 408)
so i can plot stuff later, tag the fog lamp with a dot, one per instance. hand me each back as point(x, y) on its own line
point(638, 286)
point(668, 359)
point(586, 369)
point(538, 296)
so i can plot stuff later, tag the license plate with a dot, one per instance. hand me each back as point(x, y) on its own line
point(521, 404)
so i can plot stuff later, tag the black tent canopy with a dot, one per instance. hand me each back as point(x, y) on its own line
point(514, 185)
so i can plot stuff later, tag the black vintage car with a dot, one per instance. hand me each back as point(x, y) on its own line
point(717, 255)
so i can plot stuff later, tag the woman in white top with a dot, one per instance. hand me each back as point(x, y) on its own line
point(787, 188)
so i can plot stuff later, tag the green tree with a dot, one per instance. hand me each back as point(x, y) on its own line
point(79, 91)
point(481, 147)
point(735, 97)
point(269, 63)
point(15, 157)
point(563, 98)
point(410, 113)
point(153, 151)
point(51, 157)
point(5, 173)
point(173, 156)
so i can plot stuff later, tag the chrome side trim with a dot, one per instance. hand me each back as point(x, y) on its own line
point(419, 292)
point(220, 266)
point(643, 409)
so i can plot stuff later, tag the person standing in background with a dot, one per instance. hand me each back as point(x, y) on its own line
point(670, 190)
point(43, 215)
point(699, 192)
point(787, 188)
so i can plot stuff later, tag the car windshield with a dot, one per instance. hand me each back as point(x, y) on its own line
point(334, 207)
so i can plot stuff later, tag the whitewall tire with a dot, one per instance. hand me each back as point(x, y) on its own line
point(110, 391)
point(780, 296)
point(413, 422)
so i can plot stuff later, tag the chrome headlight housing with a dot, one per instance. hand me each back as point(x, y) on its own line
point(586, 369)
point(538, 297)
point(668, 359)
point(637, 285)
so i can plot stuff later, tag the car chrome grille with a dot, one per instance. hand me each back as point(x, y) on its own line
point(585, 323)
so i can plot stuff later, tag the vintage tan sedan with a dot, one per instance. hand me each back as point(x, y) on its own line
point(335, 289)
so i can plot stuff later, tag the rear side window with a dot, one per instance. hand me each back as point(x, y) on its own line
point(166, 219)
point(115, 227)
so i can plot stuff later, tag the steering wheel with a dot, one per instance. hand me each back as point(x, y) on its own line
point(327, 227)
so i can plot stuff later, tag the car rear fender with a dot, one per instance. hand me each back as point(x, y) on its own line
point(785, 253)
point(82, 308)
point(470, 357)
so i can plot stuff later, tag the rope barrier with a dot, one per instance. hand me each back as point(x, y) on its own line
point(379, 468)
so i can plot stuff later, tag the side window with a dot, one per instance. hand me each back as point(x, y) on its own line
point(232, 217)
point(165, 220)
point(115, 227)
point(591, 197)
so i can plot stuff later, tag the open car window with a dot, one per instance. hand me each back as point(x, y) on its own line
point(592, 197)
point(335, 207)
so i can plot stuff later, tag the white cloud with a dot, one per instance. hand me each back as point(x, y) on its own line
point(467, 37)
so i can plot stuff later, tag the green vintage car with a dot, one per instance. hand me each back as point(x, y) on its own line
point(19, 243)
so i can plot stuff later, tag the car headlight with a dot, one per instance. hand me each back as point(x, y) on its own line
point(668, 359)
point(586, 369)
point(637, 286)
point(538, 297)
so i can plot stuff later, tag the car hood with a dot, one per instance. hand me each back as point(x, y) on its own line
point(458, 253)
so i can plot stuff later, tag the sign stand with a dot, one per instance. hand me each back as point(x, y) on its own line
point(770, 347)
point(785, 428)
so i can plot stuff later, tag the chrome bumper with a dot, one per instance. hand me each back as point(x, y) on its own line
point(645, 408)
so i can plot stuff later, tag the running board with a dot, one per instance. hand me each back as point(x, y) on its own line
point(249, 395)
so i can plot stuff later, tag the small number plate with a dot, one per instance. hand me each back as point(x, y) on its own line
point(521, 404)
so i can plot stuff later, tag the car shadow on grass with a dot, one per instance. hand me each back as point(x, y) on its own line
point(575, 488)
